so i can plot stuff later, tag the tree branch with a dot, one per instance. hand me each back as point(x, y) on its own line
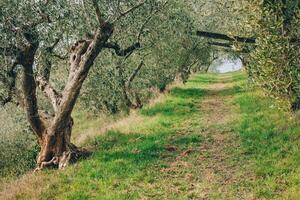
point(226, 37)
point(30, 101)
point(43, 76)
point(128, 11)
point(49, 92)
point(98, 13)
point(228, 45)
point(148, 20)
point(134, 73)
point(250, 40)
point(220, 44)
point(122, 52)
point(61, 57)
point(82, 58)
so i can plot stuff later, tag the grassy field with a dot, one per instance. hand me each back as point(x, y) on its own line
point(213, 138)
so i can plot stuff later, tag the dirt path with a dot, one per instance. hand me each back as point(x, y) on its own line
point(219, 156)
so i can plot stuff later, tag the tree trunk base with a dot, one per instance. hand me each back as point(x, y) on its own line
point(72, 155)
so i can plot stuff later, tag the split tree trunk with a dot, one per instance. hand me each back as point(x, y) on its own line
point(126, 87)
point(57, 149)
point(54, 132)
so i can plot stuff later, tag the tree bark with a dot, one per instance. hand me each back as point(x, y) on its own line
point(56, 146)
point(126, 87)
point(54, 132)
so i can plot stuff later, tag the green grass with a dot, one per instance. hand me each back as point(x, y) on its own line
point(270, 137)
point(167, 152)
point(128, 165)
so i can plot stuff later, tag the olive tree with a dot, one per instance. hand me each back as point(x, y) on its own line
point(41, 30)
point(169, 49)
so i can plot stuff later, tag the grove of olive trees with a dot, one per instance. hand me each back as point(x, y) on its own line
point(112, 56)
point(48, 49)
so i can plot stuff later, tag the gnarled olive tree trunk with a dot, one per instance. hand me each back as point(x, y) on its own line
point(54, 132)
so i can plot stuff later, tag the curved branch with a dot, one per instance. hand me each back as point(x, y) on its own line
point(148, 19)
point(134, 73)
point(43, 76)
point(122, 52)
point(82, 58)
point(49, 91)
point(30, 100)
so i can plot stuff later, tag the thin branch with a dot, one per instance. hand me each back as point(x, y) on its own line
point(128, 11)
point(134, 73)
point(122, 52)
point(43, 75)
point(148, 20)
point(50, 48)
point(98, 13)
point(10, 82)
point(61, 57)
point(220, 44)
point(87, 14)
point(49, 91)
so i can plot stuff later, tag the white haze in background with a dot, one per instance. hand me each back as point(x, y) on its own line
point(226, 65)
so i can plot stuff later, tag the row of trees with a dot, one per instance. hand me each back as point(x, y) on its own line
point(266, 38)
point(124, 49)
point(111, 55)
point(275, 63)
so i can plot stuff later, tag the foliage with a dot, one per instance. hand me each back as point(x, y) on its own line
point(169, 48)
point(18, 148)
point(274, 64)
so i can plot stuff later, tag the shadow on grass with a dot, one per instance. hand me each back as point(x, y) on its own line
point(138, 150)
point(184, 103)
point(122, 160)
point(188, 93)
point(231, 91)
point(171, 108)
point(204, 80)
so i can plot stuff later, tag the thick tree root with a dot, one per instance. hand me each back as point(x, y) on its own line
point(68, 157)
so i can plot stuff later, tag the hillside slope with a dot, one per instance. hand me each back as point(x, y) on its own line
point(213, 138)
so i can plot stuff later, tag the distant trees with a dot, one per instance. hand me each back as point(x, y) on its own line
point(266, 37)
point(169, 49)
point(23, 49)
